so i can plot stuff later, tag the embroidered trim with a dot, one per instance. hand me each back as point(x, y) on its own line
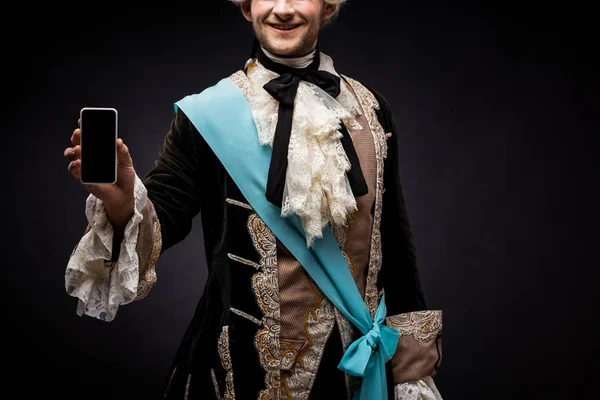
point(265, 285)
point(319, 320)
point(246, 315)
point(169, 383)
point(225, 356)
point(424, 326)
point(369, 104)
point(243, 260)
point(289, 355)
point(239, 203)
point(187, 387)
point(149, 279)
point(215, 384)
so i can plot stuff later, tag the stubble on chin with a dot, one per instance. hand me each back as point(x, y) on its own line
point(300, 47)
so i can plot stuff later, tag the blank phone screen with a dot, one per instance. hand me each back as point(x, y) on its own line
point(98, 145)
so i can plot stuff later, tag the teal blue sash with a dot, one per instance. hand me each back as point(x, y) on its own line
point(223, 117)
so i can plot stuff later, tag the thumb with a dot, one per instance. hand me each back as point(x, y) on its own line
point(123, 155)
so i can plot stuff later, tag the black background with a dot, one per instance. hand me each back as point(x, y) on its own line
point(497, 110)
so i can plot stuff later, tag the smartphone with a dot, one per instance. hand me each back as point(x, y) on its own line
point(99, 130)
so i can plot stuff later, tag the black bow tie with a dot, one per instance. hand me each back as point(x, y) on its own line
point(284, 89)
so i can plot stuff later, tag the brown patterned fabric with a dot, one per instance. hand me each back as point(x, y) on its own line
point(358, 236)
point(298, 294)
point(419, 350)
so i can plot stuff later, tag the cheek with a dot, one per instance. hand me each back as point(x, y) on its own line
point(309, 15)
point(260, 11)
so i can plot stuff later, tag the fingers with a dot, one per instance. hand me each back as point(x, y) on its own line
point(72, 153)
point(123, 155)
point(74, 168)
point(76, 137)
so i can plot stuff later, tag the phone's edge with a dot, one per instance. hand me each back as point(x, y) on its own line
point(116, 137)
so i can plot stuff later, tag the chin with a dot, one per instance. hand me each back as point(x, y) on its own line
point(285, 50)
point(283, 46)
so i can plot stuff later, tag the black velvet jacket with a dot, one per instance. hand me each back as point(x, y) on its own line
point(189, 179)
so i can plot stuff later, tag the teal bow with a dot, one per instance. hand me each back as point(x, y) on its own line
point(366, 357)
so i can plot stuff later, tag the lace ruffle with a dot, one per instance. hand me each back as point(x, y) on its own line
point(423, 389)
point(101, 285)
point(316, 186)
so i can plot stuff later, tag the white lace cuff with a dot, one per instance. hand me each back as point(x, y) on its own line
point(423, 389)
point(99, 284)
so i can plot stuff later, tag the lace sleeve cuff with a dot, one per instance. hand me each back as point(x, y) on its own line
point(419, 349)
point(99, 284)
point(423, 389)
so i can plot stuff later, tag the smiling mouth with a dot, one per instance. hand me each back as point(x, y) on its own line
point(284, 27)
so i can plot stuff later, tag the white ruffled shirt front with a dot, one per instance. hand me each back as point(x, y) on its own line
point(316, 172)
point(316, 185)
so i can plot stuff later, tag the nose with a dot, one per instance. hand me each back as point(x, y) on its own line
point(284, 9)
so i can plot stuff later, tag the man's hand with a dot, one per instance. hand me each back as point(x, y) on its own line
point(118, 198)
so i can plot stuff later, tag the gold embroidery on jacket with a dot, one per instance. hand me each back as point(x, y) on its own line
point(225, 356)
point(369, 104)
point(265, 284)
point(319, 320)
point(243, 260)
point(170, 380)
point(289, 355)
point(239, 203)
point(424, 326)
point(215, 384)
point(245, 315)
point(149, 279)
point(187, 387)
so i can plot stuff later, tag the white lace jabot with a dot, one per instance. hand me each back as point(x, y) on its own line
point(316, 186)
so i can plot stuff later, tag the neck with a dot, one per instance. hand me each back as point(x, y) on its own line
point(293, 62)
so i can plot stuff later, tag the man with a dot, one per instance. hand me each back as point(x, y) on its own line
point(277, 318)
